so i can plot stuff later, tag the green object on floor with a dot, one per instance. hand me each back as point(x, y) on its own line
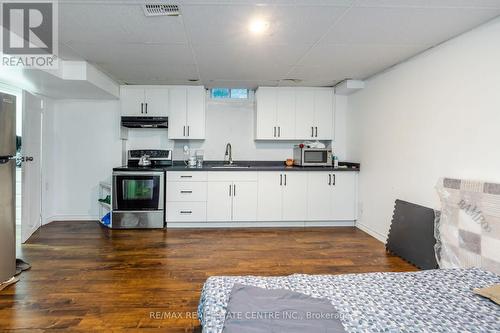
point(106, 200)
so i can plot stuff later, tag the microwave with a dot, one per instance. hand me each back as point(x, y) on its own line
point(312, 156)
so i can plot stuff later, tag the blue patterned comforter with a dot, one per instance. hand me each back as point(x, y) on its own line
point(428, 301)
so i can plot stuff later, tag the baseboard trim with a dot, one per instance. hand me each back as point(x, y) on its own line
point(375, 234)
point(70, 218)
point(270, 224)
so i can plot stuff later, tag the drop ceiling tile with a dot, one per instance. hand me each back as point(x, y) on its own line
point(269, 2)
point(405, 25)
point(430, 3)
point(237, 62)
point(134, 53)
point(142, 74)
point(105, 23)
point(229, 24)
point(250, 84)
point(337, 62)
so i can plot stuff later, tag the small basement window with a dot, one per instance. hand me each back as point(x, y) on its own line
point(229, 93)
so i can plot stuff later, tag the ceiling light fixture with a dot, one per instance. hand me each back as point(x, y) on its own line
point(258, 26)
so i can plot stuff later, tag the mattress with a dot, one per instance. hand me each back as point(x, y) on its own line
point(438, 300)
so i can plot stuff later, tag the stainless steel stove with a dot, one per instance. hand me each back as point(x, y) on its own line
point(139, 192)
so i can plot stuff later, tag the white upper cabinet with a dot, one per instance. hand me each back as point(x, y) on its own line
point(285, 114)
point(266, 101)
point(323, 114)
point(132, 101)
point(144, 101)
point(156, 102)
point(304, 113)
point(178, 113)
point(275, 114)
point(294, 113)
point(314, 113)
point(186, 113)
point(195, 114)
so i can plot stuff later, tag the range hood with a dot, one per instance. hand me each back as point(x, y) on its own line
point(145, 122)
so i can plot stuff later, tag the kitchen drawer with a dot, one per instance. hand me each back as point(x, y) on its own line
point(186, 176)
point(186, 211)
point(221, 176)
point(186, 191)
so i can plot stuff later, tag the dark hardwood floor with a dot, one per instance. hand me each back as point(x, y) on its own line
point(87, 278)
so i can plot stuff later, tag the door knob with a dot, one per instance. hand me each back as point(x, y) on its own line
point(27, 159)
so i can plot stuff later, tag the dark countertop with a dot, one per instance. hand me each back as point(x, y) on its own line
point(244, 166)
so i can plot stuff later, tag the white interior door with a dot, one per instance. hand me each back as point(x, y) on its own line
point(32, 166)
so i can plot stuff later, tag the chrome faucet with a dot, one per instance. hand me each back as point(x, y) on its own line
point(228, 156)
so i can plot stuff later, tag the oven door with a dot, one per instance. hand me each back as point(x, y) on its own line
point(315, 157)
point(138, 191)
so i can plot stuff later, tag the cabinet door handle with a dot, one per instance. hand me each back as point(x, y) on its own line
point(186, 192)
point(274, 131)
point(146, 108)
point(312, 131)
point(334, 180)
point(229, 190)
point(234, 190)
point(329, 179)
point(316, 131)
point(184, 131)
point(281, 180)
point(279, 131)
point(186, 212)
point(186, 176)
point(285, 179)
point(142, 107)
point(188, 131)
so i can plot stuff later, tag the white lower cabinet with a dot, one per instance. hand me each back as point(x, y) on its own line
point(186, 211)
point(219, 201)
point(282, 196)
point(269, 196)
point(264, 196)
point(344, 196)
point(245, 201)
point(186, 196)
point(331, 196)
point(231, 196)
point(294, 199)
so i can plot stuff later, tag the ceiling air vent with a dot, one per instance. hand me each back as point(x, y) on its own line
point(155, 9)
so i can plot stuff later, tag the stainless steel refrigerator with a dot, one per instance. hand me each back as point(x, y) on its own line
point(7, 187)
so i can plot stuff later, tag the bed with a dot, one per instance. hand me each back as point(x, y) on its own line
point(438, 300)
